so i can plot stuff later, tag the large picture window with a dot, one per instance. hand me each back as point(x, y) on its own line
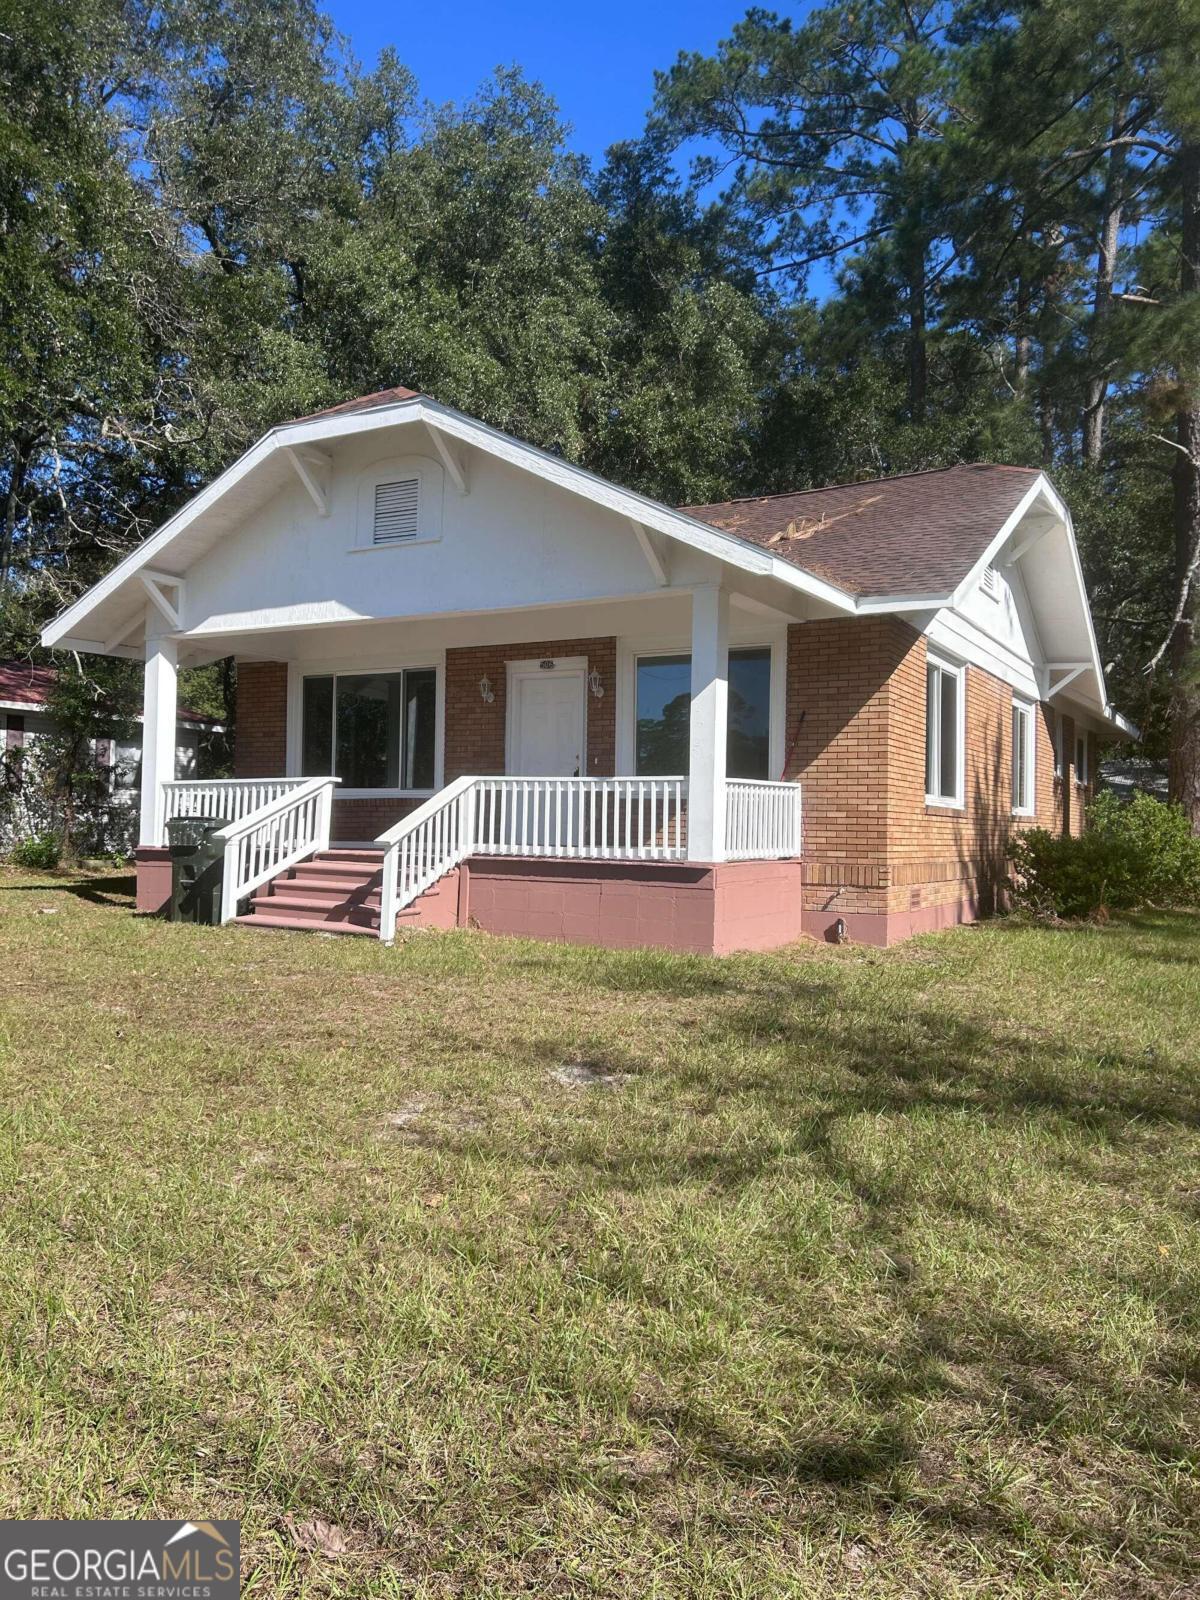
point(372, 730)
point(1022, 758)
point(664, 714)
point(943, 733)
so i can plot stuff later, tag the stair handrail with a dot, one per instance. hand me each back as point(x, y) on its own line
point(268, 841)
point(426, 844)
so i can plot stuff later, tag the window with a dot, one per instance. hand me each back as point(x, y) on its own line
point(1081, 758)
point(943, 733)
point(396, 506)
point(1058, 744)
point(991, 583)
point(1022, 758)
point(664, 713)
point(372, 730)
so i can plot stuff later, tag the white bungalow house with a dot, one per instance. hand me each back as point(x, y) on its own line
point(480, 685)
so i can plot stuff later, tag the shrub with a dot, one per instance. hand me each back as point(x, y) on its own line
point(1143, 853)
point(40, 852)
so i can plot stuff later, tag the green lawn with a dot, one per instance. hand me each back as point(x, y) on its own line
point(871, 1274)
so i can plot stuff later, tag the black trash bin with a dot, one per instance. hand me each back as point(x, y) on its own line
point(196, 864)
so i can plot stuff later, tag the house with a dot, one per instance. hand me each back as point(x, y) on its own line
point(479, 684)
point(27, 719)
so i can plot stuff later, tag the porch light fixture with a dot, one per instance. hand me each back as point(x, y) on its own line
point(594, 683)
point(486, 693)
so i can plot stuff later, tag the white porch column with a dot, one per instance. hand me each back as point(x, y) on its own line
point(158, 734)
point(710, 701)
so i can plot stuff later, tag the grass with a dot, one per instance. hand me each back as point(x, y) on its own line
point(873, 1274)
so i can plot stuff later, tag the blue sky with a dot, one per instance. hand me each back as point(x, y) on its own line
point(597, 60)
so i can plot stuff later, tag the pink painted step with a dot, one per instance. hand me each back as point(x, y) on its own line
point(337, 891)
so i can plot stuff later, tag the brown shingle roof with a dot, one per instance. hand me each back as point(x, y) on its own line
point(917, 534)
point(364, 402)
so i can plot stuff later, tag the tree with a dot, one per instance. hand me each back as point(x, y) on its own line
point(832, 129)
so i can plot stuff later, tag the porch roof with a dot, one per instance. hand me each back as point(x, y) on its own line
point(913, 544)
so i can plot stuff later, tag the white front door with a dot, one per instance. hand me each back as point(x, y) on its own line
point(546, 722)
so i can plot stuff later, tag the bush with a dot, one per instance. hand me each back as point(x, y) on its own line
point(39, 853)
point(1143, 853)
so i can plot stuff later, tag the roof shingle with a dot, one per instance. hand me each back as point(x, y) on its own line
point(912, 535)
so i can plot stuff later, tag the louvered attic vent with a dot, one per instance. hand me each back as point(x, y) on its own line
point(991, 583)
point(395, 511)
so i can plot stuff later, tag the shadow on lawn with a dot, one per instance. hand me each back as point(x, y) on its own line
point(108, 891)
point(817, 1057)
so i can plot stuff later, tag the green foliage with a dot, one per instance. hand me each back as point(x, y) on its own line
point(1143, 853)
point(40, 852)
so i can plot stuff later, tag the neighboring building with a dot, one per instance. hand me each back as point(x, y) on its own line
point(26, 718)
point(563, 709)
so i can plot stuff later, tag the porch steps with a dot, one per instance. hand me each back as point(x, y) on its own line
point(338, 891)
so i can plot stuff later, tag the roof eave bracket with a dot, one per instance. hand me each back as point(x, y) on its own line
point(312, 467)
point(155, 585)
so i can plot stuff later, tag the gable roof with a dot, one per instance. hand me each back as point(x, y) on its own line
point(912, 544)
point(920, 533)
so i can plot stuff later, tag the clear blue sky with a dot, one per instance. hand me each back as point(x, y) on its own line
point(598, 61)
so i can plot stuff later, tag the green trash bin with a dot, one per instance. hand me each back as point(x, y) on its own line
point(196, 865)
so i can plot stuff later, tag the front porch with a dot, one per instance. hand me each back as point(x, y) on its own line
point(592, 861)
point(354, 813)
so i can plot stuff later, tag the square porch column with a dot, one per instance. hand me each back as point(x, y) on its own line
point(709, 724)
point(159, 717)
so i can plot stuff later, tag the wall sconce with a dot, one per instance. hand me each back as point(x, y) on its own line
point(486, 693)
point(594, 683)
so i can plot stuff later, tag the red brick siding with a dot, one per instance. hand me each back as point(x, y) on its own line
point(260, 738)
point(871, 844)
point(475, 730)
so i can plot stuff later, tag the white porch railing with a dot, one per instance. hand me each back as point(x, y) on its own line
point(598, 818)
point(762, 820)
point(422, 847)
point(604, 819)
point(231, 798)
point(285, 830)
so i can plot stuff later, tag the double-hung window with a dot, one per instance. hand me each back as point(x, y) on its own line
point(945, 687)
point(373, 730)
point(1022, 758)
point(1081, 758)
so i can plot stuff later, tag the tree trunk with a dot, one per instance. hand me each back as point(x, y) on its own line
point(1106, 266)
point(1183, 656)
point(918, 374)
point(1024, 344)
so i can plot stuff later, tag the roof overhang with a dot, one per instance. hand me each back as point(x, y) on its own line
point(104, 619)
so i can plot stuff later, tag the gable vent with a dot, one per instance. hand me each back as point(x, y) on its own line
point(395, 511)
point(991, 583)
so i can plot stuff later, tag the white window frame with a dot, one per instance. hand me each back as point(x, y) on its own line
point(1081, 768)
point(958, 671)
point(631, 650)
point(1059, 744)
point(341, 668)
point(1024, 805)
point(430, 497)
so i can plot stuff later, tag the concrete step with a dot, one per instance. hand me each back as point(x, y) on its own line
point(324, 893)
point(260, 919)
point(315, 908)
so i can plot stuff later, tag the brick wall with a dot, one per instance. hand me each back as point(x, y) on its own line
point(260, 737)
point(856, 722)
point(475, 730)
